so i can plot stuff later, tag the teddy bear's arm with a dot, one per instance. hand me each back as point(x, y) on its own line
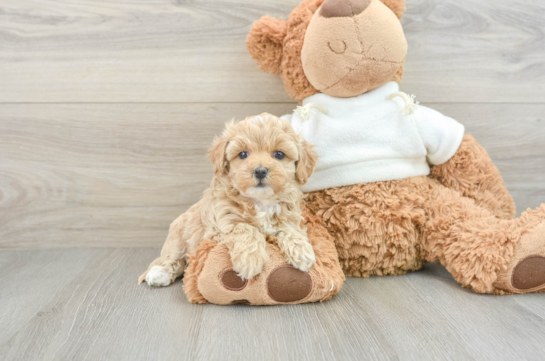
point(471, 172)
point(460, 163)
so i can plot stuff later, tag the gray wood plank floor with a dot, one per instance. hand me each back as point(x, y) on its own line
point(84, 304)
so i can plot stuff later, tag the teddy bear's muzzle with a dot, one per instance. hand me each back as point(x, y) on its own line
point(352, 47)
point(343, 8)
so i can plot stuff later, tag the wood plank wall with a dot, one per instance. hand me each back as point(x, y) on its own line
point(107, 107)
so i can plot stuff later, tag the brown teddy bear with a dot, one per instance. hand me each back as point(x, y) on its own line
point(386, 210)
point(397, 184)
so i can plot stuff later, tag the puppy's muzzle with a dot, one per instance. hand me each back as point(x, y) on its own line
point(261, 172)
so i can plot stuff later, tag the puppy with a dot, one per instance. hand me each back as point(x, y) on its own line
point(259, 166)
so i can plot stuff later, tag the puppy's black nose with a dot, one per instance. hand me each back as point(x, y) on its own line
point(261, 172)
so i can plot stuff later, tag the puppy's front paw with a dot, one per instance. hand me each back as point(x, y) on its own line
point(158, 277)
point(247, 248)
point(249, 263)
point(297, 251)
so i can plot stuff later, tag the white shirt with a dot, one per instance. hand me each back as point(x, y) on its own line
point(368, 138)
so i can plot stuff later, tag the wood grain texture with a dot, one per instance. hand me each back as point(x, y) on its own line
point(436, 319)
point(105, 175)
point(100, 175)
point(194, 51)
point(91, 308)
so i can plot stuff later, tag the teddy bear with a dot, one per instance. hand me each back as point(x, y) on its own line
point(397, 184)
point(399, 188)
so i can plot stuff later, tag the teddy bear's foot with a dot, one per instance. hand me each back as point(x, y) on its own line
point(284, 284)
point(213, 280)
point(525, 272)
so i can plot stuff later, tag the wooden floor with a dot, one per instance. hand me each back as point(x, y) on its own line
point(84, 304)
point(107, 108)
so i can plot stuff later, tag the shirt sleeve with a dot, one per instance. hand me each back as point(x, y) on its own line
point(441, 135)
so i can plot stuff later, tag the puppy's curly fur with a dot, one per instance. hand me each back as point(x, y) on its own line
point(245, 209)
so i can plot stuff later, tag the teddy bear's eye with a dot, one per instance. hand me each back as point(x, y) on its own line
point(279, 155)
point(243, 155)
point(338, 47)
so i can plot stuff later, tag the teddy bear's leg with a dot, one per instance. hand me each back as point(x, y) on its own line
point(482, 251)
point(209, 277)
point(474, 175)
point(375, 226)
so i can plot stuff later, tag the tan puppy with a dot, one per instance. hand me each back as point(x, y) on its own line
point(259, 167)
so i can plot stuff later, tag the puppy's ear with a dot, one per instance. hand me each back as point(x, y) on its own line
point(218, 157)
point(265, 43)
point(397, 6)
point(306, 163)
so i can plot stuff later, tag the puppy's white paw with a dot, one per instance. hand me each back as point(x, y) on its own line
point(158, 277)
point(297, 251)
point(249, 264)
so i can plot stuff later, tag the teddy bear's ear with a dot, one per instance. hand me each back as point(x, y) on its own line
point(397, 6)
point(266, 41)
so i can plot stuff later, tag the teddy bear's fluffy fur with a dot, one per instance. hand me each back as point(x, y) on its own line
point(352, 212)
point(461, 215)
point(390, 228)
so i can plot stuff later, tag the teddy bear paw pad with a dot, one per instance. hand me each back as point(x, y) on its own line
point(241, 302)
point(287, 284)
point(231, 281)
point(529, 273)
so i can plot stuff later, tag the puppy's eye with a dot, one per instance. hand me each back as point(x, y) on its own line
point(243, 155)
point(279, 155)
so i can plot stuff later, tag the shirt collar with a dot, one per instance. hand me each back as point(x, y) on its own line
point(333, 103)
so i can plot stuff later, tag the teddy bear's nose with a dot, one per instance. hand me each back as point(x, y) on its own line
point(343, 8)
